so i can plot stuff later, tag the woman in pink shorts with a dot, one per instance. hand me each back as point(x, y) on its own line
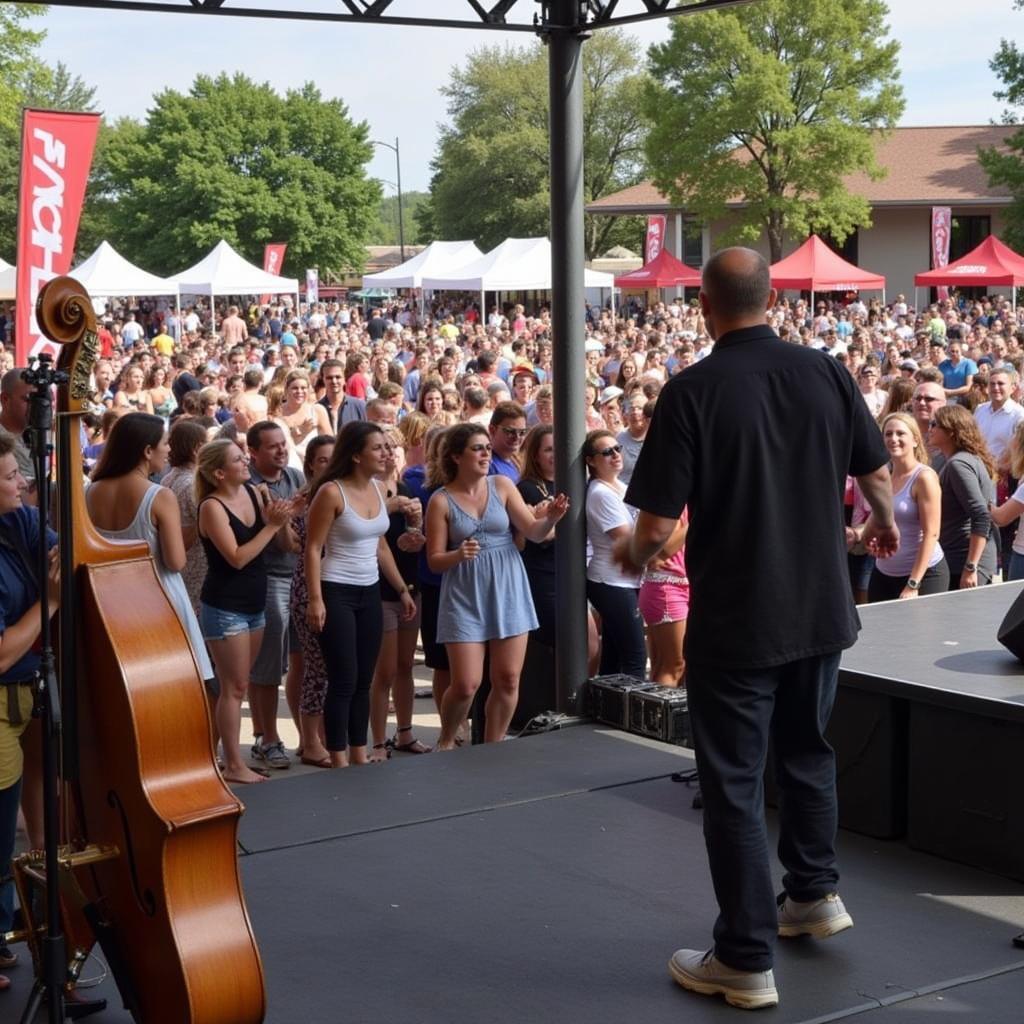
point(664, 604)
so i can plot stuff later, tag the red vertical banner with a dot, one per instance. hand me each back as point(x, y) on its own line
point(56, 154)
point(942, 229)
point(655, 238)
point(273, 261)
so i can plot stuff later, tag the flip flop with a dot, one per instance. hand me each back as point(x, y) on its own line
point(324, 762)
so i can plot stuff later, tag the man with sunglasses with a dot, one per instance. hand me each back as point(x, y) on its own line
point(507, 429)
point(771, 608)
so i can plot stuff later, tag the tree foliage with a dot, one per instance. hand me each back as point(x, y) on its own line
point(773, 104)
point(385, 227)
point(233, 159)
point(491, 169)
point(1005, 165)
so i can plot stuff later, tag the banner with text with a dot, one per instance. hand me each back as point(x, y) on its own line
point(655, 238)
point(56, 154)
point(273, 261)
point(942, 229)
point(312, 286)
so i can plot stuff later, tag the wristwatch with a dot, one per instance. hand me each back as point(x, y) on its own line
point(971, 566)
point(913, 584)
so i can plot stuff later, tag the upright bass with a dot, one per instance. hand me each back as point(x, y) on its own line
point(152, 829)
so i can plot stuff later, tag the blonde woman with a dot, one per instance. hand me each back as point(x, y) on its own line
point(300, 417)
point(918, 567)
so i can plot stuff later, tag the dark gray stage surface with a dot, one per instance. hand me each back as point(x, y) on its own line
point(549, 879)
point(941, 650)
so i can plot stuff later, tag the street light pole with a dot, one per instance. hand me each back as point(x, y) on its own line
point(398, 179)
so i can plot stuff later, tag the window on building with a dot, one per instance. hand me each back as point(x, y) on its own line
point(693, 245)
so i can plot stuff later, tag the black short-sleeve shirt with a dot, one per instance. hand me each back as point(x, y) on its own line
point(756, 440)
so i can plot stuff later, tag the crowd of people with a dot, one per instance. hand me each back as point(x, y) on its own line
point(326, 490)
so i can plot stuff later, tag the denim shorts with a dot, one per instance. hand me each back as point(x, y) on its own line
point(219, 624)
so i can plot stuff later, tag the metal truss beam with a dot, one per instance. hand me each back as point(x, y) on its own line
point(495, 15)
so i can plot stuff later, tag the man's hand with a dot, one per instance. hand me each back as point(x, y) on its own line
point(621, 555)
point(881, 541)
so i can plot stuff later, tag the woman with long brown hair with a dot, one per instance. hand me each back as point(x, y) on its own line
point(346, 554)
point(968, 489)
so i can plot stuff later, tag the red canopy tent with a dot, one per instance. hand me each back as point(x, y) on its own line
point(664, 271)
point(990, 263)
point(814, 267)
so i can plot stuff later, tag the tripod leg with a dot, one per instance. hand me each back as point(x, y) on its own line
point(35, 1000)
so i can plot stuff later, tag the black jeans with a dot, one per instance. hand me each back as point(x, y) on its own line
point(622, 632)
point(350, 641)
point(732, 713)
point(889, 588)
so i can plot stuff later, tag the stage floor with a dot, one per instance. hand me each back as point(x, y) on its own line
point(549, 879)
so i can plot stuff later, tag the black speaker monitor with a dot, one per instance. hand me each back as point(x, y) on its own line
point(1011, 631)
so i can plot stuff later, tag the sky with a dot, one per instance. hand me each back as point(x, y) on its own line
point(391, 76)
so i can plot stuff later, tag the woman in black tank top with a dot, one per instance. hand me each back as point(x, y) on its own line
point(235, 526)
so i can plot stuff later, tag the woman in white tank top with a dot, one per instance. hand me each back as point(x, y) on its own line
point(346, 551)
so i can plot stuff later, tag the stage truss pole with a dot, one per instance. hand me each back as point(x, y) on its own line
point(564, 36)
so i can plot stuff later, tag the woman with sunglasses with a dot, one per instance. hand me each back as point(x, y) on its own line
point(611, 591)
point(485, 596)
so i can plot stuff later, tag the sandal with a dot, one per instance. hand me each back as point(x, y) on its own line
point(323, 762)
point(414, 746)
point(380, 758)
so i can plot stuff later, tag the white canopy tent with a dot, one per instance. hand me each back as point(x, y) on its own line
point(437, 260)
point(8, 281)
point(107, 272)
point(224, 272)
point(517, 265)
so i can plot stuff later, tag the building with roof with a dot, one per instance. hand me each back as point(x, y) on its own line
point(926, 167)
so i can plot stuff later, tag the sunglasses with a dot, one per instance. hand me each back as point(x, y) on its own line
point(616, 449)
point(480, 448)
point(515, 432)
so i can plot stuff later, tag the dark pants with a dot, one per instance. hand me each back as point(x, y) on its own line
point(350, 641)
point(622, 632)
point(889, 588)
point(732, 713)
point(9, 798)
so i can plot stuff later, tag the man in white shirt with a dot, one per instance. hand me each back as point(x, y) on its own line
point(998, 417)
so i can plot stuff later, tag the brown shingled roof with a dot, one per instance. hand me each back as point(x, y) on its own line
point(925, 165)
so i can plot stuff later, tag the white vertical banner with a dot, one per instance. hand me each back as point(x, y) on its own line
point(942, 229)
point(312, 286)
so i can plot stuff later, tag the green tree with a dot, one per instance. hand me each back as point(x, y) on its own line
point(491, 168)
point(385, 229)
point(1005, 165)
point(18, 62)
point(773, 104)
point(57, 88)
point(232, 159)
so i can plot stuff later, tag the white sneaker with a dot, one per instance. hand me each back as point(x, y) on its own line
point(820, 918)
point(706, 974)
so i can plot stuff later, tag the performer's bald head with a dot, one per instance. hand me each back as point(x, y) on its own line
point(736, 282)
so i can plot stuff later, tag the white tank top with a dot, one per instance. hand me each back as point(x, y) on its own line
point(350, 553)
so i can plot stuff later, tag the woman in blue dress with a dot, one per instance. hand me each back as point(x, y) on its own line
point(485, 596)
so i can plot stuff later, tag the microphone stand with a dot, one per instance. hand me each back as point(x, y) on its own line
point(49, 986)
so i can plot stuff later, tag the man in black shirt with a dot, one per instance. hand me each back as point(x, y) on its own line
point(756, 442)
